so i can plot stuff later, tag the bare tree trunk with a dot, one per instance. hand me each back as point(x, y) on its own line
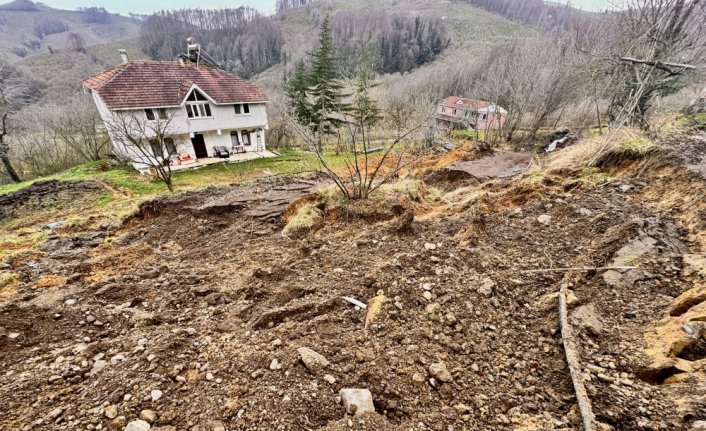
point(14, 176)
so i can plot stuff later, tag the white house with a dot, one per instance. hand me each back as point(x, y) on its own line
point(206, 108)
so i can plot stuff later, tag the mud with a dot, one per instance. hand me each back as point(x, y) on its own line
point(197, 295)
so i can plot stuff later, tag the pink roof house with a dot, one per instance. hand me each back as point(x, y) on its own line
point(454, 113)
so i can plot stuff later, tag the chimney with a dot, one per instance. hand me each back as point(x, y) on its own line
point(123, 55)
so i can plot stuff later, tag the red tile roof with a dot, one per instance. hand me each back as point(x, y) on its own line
point(152, 84)
point(455, 102)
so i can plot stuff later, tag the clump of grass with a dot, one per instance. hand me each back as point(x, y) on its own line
point(7, 278)
point(535, 175)
point(591, 177)
point(409, 188)
point(635, 145)
point(304, 219)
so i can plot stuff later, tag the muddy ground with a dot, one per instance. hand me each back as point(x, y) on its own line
point(192, 313)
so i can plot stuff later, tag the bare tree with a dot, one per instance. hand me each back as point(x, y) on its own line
point(144, 142)
point(13, 94)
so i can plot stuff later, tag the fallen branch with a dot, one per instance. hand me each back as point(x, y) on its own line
point(572, 359)
point(583, 268)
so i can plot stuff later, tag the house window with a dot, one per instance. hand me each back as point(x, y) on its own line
point(454, 112)
point(150, 114)
point(162, 113)
point(234, 138)
point(197, 105)
point(156, 148)
point(242, 108)
point(171, 146)
point(246, 138)
point(483, 116)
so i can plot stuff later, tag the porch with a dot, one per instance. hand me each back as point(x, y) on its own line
point(234, 158)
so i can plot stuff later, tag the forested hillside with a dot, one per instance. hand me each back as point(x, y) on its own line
point(28, 28)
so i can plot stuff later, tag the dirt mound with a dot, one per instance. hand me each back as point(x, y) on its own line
point(50, 196)
point(198, 310)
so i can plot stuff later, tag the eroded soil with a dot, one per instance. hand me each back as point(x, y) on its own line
point(197, 296)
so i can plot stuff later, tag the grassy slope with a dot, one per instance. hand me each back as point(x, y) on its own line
point(18, 27)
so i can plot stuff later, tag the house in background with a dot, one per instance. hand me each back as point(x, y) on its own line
point(207, 108)
point(460, 113)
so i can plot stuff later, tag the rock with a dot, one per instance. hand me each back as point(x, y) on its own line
point(56, 413)
point(584, 212)
point(429, 246)
point(698, 425)
point(275, 365)
point(545, 219)
point(357, 401)
point(586, 317)
point(418, 378)
point(70, 302)
point(432, 308)
point(98, 366)
point(426, 295)
point(55, 378)
point(148, 416)
point(475, 367)
point(217, 426)
point(13, 335)
point(329, 379)
point(90, 318)
point(313, 360)
point(486, 289)
point(137, 425)
point(439, 372)
point(374, 309)
point(156, 394)
point(625, 188)
point(111, 412)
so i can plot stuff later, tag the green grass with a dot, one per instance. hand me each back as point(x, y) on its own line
point(128, 181)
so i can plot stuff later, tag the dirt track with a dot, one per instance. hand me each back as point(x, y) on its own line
point(197, 296)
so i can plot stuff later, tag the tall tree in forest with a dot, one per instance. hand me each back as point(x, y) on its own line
point(326, 90)
point(296, 88)
point(364, 109)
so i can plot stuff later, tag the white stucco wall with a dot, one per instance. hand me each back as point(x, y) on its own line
point(223, 117)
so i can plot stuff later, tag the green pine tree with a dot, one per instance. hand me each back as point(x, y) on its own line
point(326, 89)
point(364, 109)
point(296, 90)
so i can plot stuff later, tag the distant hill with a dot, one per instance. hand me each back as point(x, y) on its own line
point(28, 29)
point(473, 31)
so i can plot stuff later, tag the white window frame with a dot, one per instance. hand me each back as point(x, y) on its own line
point(197, 110)
point(240, 112)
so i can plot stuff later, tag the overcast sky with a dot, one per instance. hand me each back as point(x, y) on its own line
point(149, 6)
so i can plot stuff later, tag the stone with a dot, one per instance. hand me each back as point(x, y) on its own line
point(586, 317)
point(148, 416)
point(698, 425)
point(427, 295)
point(486, 289)
point(313, 360)
point(98, 366)
point(156, 394)
point(329, 379)
point(432, 308)
point(70, 302)
point(275, 365)
point(545, 219)
point(217, 426)
point(625, 188)
point(429, 246)
point(418, 378)
point(357, 401)
point(585, 212)
point(55, 378)
point(475, 367)
point(439, 372)
point(137, 425)
point(374, 309)
point(13, 335)
point(56, 413)
point(111, 412)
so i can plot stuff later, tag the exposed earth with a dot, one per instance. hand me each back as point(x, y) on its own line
point(192, 314)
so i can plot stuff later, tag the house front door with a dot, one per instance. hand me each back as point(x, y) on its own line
point(199, 146)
